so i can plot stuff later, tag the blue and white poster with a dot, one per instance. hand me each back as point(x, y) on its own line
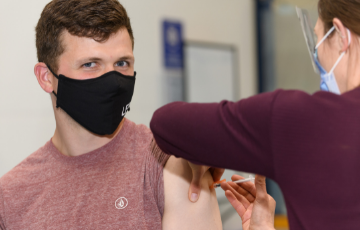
point(173, 44)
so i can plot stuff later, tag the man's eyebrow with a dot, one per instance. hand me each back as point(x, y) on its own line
point(128, 57)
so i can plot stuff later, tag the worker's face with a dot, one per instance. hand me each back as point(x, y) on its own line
point(329, 52)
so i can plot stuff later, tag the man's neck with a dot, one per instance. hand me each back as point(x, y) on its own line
point(74, 140)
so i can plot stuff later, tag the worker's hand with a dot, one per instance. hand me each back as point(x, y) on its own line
point(198, 173)
point(255, 207)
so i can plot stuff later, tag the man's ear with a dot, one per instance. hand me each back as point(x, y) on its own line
point(343, 35)
point(44, 77)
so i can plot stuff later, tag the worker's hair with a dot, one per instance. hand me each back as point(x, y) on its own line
point(97, 19)
point(348, 11)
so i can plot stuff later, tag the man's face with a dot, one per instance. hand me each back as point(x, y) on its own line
point(85, 58)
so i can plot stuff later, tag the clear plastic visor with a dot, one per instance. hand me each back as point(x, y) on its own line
point(308, 31)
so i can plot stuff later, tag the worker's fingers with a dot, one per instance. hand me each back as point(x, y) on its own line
point(238, 206)
point(239, 189)
point(236, 177)
point(261, 194)
point(248, 186)
point(217, 173)
point(229, 186)
point(195, 185)
point(272, 204)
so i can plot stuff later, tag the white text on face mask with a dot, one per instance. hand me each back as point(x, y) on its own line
point(125, 109)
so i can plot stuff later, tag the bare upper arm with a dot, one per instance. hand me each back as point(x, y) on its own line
point(179, 212)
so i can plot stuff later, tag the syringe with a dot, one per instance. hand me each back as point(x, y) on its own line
point(217, 184)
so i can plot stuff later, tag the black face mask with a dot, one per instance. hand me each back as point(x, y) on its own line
point(98, 104)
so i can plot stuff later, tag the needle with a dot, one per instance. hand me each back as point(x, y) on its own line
point(218, 184)
point(243, 180)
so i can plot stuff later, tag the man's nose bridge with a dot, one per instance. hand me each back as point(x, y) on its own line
point(109, 67)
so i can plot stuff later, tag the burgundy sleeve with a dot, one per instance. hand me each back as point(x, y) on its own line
point(227, 134)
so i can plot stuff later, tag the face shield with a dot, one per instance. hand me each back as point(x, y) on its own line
point(308, 31)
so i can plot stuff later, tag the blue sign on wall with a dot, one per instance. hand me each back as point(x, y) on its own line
point(173, 44)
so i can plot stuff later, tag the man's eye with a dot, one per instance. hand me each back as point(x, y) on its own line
point(122, 63)
point(90, 64)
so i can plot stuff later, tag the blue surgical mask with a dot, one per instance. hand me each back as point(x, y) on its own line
point(328, 80)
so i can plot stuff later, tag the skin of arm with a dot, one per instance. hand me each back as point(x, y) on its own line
point(179, 211)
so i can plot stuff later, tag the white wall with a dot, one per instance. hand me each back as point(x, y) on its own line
point(26, 116)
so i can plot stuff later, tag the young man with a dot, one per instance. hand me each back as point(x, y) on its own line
point(98, 171)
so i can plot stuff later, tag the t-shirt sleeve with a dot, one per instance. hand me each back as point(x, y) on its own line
point(2, 210)
point(155, 164)
point(234, 135)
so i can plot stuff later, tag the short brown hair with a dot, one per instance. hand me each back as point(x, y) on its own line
point(348, 11)
point(97, 19)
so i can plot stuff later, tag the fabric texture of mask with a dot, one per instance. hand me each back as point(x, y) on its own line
point(98, 104)
point(328, 80)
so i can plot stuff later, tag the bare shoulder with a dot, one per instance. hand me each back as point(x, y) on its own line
point(179, 212)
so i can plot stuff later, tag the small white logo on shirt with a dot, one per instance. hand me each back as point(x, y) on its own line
point(121, 203)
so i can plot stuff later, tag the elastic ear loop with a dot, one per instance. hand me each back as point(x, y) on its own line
point(342, 54)
point(326, 35)
point(57, 77)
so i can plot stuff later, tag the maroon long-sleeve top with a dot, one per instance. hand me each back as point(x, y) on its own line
point(308, 144)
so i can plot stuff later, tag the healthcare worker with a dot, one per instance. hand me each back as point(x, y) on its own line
point(308, 144)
